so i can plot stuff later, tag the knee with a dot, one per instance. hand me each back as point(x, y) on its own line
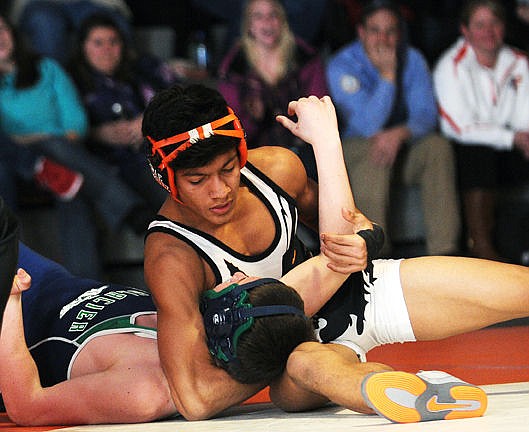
point(301, 361)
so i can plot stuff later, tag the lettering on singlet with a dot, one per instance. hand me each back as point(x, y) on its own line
point(96, 303)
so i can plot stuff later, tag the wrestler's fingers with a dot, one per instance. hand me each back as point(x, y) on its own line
point(344, 253)
point(21, 281)
point(347, 268)
point(347, 240)
point(286, 122)
point(292, 107)
point(357, 219)
point(345, 256)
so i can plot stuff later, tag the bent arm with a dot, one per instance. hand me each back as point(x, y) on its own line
point(199, 389)
point(19, 377)
point(124, 393)
point(317, 124)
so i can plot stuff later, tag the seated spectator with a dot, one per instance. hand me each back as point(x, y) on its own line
point(304, 16)
point(383, 92)
point(265, 70)
point(115, 86)
point(482, 86)
point(40, 111)
point(36, 18)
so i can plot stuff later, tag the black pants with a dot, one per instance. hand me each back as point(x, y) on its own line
point(9, 231)
point(482, 167)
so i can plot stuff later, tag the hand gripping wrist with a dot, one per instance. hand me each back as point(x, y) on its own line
point(374, 239)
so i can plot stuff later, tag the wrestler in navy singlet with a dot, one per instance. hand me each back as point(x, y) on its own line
point(63, 312)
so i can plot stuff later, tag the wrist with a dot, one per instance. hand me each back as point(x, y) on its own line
point(374, 239)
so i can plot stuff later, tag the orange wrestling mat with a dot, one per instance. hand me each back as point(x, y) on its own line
point(492, 356)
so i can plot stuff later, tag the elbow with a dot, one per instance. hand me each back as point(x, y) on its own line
point(148, 403)
point(194, 405)
point(19, 418)
point(23, 415)
point(196, 410)
point(154, 400)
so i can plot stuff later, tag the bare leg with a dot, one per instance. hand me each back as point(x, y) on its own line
point(446, 296)
point(319, 373)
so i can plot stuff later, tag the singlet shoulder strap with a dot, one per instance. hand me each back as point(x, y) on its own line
point(115, 325)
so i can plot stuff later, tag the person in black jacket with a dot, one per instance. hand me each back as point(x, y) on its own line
point(9, 230)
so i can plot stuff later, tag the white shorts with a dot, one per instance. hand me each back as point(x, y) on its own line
point(386, 318)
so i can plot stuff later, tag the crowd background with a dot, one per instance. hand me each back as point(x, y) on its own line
point(202, 45)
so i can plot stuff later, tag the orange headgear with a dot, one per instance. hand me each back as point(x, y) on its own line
point(188, 139)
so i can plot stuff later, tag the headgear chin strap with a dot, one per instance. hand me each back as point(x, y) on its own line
point(228, 313)
point(186, 140)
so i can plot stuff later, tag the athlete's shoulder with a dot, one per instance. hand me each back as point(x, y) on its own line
point(172, 268)
point(274, 160)
point(281, 165)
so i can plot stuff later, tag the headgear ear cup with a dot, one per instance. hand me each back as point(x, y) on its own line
point(228, 313)
point(9, 230)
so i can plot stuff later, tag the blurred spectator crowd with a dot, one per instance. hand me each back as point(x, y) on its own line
point(75, 78)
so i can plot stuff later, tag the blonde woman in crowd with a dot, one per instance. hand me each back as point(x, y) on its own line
point(268, 67)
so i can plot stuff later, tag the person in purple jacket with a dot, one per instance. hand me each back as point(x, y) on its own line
point(383, 93)
point(267, 68)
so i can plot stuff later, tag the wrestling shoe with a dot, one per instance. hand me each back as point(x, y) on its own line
point(62, 181)
point(428, 395)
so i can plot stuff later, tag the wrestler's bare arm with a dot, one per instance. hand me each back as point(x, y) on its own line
point(317, 125)
point(127, 391)
point(176, 277)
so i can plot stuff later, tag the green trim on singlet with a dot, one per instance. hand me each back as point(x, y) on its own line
point(122, 322)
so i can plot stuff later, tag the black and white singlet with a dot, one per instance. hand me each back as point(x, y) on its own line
point(284, 253)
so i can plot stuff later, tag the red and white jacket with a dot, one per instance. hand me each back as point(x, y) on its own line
point(480, 105)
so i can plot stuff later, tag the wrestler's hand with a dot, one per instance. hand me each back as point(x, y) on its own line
point(347, 253)
point(316, 123)
point(21, 282)
point(10, 333)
